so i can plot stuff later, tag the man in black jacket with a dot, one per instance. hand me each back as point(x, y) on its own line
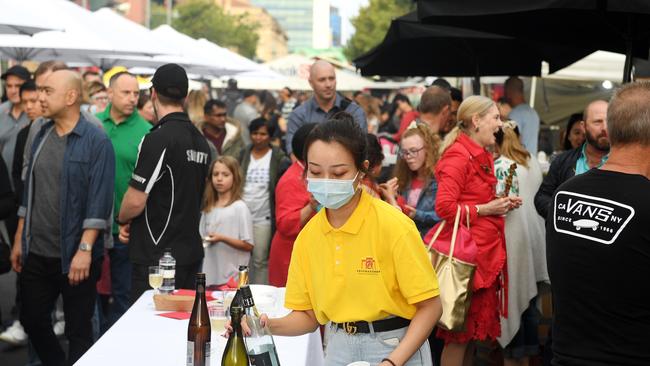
point(593, 153)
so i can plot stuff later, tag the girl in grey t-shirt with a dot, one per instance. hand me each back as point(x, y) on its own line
point(226, 224)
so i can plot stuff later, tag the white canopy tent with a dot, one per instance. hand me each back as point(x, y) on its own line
point(295, 71)
point(20, 17)
point(187, 47)
point(81, 37)
point(600, 65)
point(252, 68)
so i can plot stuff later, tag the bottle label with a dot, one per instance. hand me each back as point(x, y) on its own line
point(262, 359)
point(247, 302)
point(190, 353)
point(168, 273)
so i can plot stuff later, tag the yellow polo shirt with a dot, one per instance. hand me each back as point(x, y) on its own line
point(372, 267)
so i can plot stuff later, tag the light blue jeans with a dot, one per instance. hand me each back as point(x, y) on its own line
point(372, 347)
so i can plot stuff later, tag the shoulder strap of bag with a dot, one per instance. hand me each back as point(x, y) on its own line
point(435, 235)
point(345, 103)
point(454, 234)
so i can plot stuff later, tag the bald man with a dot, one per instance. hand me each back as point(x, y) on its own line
point(592, 154)
point(324, 104)
point(58, 246)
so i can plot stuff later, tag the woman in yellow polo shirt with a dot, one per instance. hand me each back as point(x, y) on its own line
point(359, 263)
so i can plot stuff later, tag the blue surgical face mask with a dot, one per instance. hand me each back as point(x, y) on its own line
point(332, 193)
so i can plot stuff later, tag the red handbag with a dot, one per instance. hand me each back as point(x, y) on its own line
point(441, 235)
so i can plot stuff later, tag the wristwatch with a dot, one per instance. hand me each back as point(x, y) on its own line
point(85, 247)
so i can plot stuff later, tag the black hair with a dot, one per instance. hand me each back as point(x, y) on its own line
point(299, 138)
point(143, 98)
point(442, 83)
point(288, 90)
point(456, 94)
point(248, 93)
point(575, 118)
point(375, 152)
point(29, 85)
point(341, 128)
point(260, 122)
point(401, 97)
point(207, 107)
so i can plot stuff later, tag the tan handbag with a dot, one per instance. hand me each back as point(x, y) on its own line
point(454, 275)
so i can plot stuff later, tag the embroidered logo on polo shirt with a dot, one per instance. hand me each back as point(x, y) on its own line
point(368, 265)
point(588, 217)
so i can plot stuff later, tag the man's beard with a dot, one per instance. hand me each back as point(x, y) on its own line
point(594, 141)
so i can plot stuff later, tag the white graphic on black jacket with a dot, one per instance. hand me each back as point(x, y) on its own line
point(588, 217)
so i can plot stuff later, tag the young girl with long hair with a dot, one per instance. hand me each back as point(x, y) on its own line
point(226, 223)
point(414, 176)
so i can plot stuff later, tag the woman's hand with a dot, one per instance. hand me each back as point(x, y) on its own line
point(515, 202)
point(410, 211)
point(244, 326)
point(500, 206)
point(496, 207)
point(389, 190)
point(214, 237)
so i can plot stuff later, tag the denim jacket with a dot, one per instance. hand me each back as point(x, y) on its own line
point(87, 180)
point(425, 213)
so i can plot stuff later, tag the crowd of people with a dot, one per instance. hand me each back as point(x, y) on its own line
point(331, 196)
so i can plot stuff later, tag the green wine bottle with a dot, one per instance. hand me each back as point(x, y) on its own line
point(235, 352)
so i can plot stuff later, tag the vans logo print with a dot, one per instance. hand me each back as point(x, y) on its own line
point(593, 218)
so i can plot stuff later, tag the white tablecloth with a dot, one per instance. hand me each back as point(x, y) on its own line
point(141, 337)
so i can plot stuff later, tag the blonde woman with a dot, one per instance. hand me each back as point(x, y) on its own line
point(465, 175)
point(525, 246)
point(195, 102)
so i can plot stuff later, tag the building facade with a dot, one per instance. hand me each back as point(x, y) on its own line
point(306, 22)
point(273, 39)
point(335, 26)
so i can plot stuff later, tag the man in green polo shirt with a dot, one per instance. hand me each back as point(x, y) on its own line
point(126, 128)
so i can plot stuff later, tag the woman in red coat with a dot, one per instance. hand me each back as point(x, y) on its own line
point(465, 175)
point(294, 206)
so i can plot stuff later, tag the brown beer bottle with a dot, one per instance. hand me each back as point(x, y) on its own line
point(198, 330)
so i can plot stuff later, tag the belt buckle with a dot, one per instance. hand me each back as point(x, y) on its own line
point(350, 328)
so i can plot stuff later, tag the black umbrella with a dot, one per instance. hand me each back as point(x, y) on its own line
point(610, 25)
point(411, 48)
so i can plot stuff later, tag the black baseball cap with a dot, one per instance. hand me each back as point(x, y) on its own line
point(170, 80)
point(19, 71)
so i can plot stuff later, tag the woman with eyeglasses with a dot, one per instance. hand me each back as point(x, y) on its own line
point(414, 177)
point(97, 97)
